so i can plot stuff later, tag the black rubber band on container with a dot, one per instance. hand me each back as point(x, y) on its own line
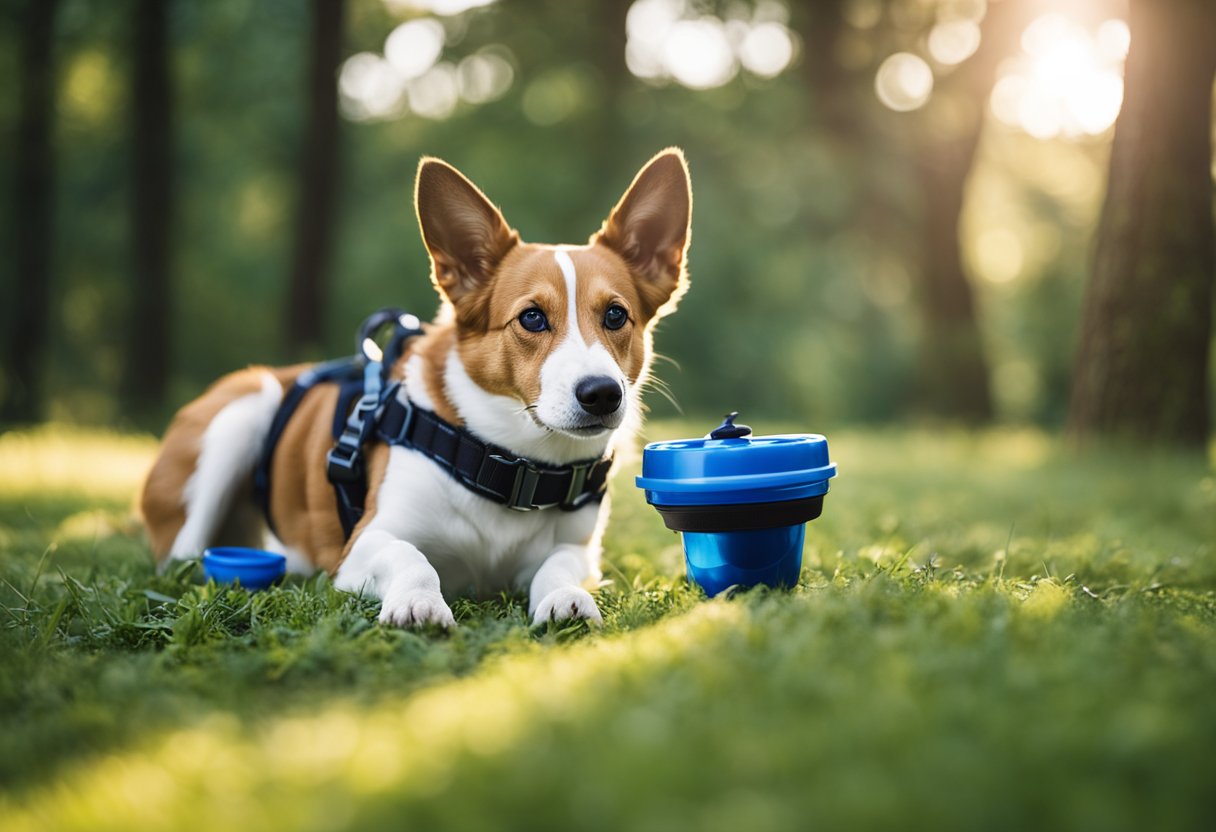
point(740, 517)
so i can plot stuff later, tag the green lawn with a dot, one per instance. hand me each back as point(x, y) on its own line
point(991, 632)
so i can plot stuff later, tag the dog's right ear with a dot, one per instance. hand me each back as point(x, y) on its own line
point(467, 237)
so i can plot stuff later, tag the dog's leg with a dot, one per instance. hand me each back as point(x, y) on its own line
point(399, 575)
point(228, 450)
point(557, 590)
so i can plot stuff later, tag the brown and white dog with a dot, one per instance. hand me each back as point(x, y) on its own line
point(540, 349)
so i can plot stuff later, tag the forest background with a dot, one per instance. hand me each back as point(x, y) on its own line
point(897, 214)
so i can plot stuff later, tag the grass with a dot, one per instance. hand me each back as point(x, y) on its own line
point(990, 632)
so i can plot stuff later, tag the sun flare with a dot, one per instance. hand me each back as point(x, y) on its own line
point(1067, 81)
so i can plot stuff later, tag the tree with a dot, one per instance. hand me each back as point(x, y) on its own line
point(1142, 362)
point(946, 135)
point(938, 144)
point(147, 349)
point(26, 331)
point(316, 210)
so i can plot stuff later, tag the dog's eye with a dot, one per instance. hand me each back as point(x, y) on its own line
point(533, 320)
point(615, 317)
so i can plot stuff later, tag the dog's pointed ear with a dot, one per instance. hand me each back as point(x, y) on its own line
point(650, 229)
point(467, 237)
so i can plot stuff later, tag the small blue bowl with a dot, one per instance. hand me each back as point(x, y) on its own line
point(251, 568)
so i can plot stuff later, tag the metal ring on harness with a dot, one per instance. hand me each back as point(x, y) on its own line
point(365, 342)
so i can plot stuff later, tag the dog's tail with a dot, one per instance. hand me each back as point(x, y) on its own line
point(206, 461)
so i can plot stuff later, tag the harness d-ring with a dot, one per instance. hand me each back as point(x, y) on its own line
point(399, 319)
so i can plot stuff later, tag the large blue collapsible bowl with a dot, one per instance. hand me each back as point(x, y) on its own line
point(741, 502)
point(252, 568)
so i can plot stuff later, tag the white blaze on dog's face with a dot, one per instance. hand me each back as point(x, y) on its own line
point(561, 334)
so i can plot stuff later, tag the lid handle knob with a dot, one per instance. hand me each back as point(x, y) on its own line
point(729, 430)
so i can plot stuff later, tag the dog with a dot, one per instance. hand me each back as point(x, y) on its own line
point(538, 353)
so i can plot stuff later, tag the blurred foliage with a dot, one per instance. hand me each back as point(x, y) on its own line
point(796, 306)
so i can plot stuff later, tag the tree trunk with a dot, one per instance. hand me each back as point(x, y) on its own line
point(939, 144)
point(33, 209)
point(954, 377)
point(308, 285)
point(606, 130)
point(835, 89)
point(954, 370)
point(148, 338)
point(1142, 361)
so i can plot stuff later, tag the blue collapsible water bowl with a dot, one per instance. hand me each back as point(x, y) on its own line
point(740, 502)
point(251, 568)
point(717, 560)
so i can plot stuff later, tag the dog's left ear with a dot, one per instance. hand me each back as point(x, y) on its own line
point(649, 229)
point(467, 237)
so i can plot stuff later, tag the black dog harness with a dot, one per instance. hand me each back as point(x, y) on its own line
point(380, 414)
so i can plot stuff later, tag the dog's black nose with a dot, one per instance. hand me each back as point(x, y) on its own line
point(599, 395)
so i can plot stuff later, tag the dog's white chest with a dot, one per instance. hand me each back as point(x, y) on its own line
point(479, 548)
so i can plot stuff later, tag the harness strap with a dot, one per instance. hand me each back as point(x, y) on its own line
point(345, 462)
point(380, 413)
point(493, 472)
point(342, 371)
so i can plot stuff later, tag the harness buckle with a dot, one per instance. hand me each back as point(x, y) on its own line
point(578, 478)
point(368, 404)
point(344, 462)
point(523, 489)
point(398, 436)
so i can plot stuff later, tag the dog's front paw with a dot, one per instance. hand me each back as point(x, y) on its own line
point(566, 603)
point(416, 608)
